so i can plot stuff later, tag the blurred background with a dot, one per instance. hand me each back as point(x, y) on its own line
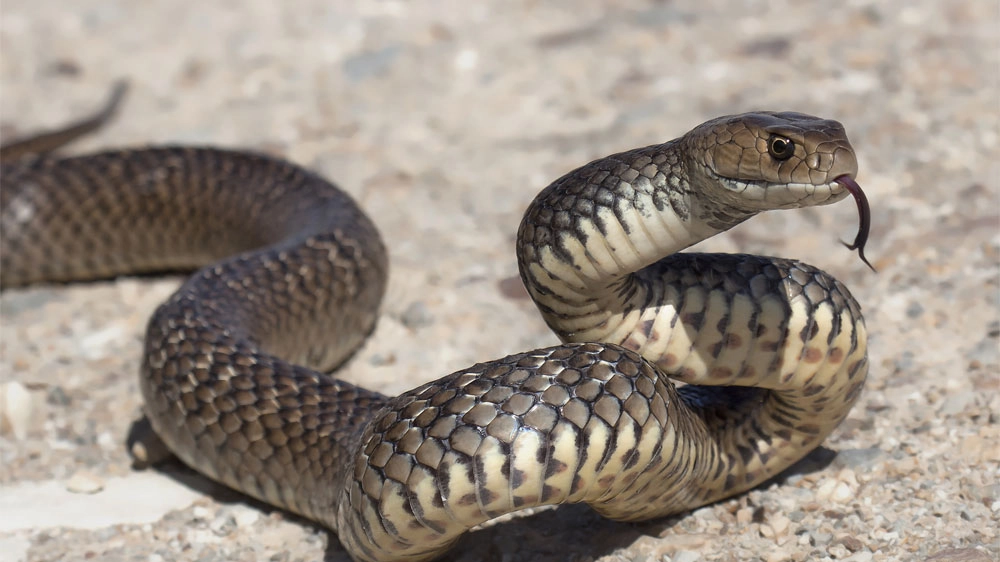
point(444, 119)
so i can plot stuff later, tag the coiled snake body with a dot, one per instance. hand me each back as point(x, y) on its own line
point(774, 350)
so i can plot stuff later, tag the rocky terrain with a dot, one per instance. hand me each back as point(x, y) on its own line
point(444, 119)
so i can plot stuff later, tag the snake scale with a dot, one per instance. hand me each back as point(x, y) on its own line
point(292, 273)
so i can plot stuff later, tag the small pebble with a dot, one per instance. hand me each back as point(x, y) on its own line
point(838, 551)
point(744, 516)
point(825, 489)
point(859, 458)
point(686, 556)
point(957, 403)
point(973, 447)
point(779, 523)
point(245, 516)
point(819, 539)
point(107, 441)
point(958, 555)
point(84, 482)
point(17, 410)
point(201, 512)
point(842, 493)
point(223, 525)
point(851, 543)
point(382, 359)
point(57, 396)
point(416, 315)
point(778, 555)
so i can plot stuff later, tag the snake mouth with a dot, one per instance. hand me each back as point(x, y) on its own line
point(767, 195)
point(864, 217)
point(755, 194)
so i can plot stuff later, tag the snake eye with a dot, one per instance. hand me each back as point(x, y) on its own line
point(780, 148)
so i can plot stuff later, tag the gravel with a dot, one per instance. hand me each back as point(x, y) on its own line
point(444, 119)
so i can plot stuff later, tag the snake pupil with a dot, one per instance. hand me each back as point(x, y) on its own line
point(781, 148)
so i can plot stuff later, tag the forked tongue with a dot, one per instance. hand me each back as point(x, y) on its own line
point(864, 216)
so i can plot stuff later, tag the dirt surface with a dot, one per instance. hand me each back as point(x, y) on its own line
point(444, 119)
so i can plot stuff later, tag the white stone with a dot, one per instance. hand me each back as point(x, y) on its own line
point(84, 482)
point(686, 556)
point(14, 549)
point(18, 409)
point(842, 493)
point(141, 497)
point(245, 516)
point(778, 555)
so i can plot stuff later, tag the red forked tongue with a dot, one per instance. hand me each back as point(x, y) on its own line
point(864, 215)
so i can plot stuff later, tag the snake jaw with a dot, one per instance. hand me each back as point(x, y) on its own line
point(763, 195)
point(864, 217)
point(753, 196)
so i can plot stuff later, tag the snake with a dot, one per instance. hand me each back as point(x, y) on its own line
point(683, 378)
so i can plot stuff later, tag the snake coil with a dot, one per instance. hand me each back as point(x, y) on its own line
point(290, 274)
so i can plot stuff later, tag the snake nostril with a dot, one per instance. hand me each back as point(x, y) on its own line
point(844, 162)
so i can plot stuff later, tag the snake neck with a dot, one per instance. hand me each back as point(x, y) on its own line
point(586, 240)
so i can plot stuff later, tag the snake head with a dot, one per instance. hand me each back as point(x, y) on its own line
point(768, 160)
point(765, 160)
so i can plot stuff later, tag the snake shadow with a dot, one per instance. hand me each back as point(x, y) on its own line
point(573, 532)
point(566, 532)
point(576, 532)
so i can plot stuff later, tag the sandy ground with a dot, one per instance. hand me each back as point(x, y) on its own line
point(444, 119)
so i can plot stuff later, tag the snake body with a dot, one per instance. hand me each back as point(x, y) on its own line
point(292, 273)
